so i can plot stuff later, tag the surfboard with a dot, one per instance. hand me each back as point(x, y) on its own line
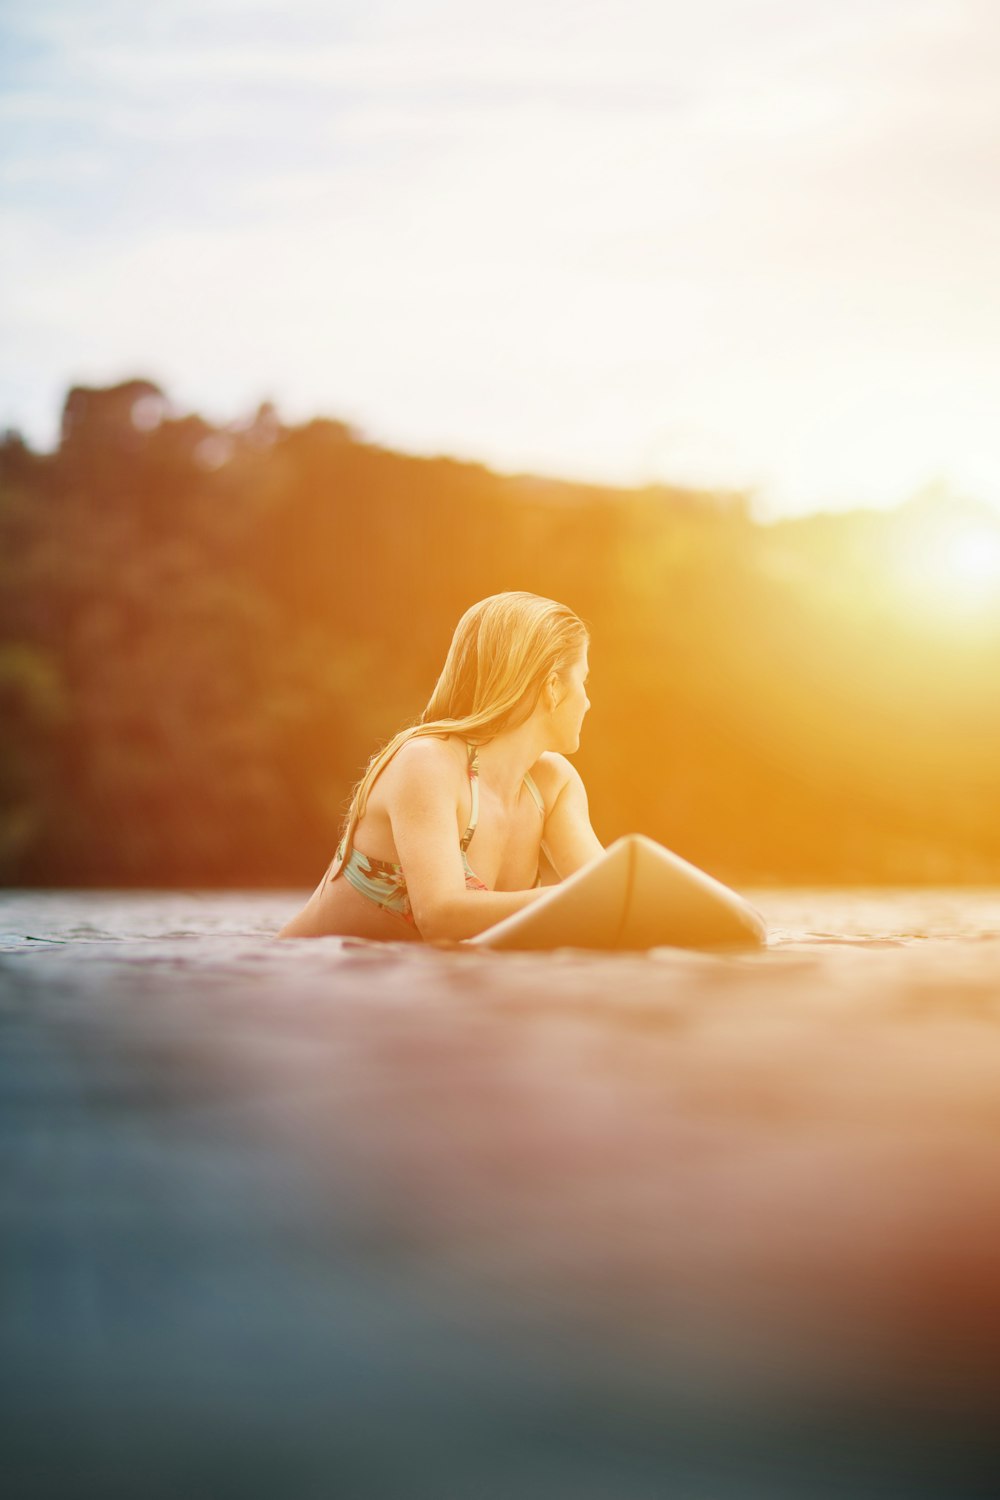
point(636, 895)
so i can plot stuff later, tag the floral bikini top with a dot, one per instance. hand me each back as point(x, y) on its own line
point(382, 881)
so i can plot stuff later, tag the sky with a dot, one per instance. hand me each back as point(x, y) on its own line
point(748, 244)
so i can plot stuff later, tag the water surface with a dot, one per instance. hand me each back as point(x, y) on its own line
point(334, 1218)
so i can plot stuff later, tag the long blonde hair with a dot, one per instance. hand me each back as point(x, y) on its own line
point(503, 651)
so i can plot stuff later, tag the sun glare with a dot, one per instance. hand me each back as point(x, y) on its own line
point(949, 562)
point(974, 557)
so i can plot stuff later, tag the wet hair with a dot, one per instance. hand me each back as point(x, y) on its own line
point(502, 653)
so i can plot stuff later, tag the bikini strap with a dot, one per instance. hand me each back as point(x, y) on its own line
point(532, 788)
point(474, 791)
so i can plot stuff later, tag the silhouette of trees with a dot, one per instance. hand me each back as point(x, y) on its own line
point(205, 631)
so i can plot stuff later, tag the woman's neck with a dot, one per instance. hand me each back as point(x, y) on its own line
point(506, 760)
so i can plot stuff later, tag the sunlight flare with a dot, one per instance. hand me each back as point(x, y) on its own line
point(948, 560)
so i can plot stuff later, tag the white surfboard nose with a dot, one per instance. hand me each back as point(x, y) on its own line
point(636, 895)
point(672, 903)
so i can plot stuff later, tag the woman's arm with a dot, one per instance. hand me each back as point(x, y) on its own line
point(419, 791)
point(569, 840)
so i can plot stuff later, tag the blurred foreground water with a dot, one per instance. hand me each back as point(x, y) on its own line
point(337, 1220)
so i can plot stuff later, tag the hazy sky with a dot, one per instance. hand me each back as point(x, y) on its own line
point(749, 244)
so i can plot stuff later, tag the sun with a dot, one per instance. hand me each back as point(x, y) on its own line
point(947, 558)
point(973, 557)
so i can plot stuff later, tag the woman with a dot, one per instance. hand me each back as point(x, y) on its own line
point(447, 825)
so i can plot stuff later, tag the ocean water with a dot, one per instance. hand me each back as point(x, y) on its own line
point(342, 1219)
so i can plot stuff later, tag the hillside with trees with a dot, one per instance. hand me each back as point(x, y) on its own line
point(205, 631)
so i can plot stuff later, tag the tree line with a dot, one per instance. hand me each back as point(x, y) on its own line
point(205, 631)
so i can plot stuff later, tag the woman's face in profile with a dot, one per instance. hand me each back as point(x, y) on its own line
point(574, 706)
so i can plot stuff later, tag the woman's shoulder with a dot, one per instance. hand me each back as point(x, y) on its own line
point(551, 773)
point(427, 755)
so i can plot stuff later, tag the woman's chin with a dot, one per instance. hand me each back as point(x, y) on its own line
point(567, 746)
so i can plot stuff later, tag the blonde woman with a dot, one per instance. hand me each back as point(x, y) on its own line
point(448, 824)
point(445, 831)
